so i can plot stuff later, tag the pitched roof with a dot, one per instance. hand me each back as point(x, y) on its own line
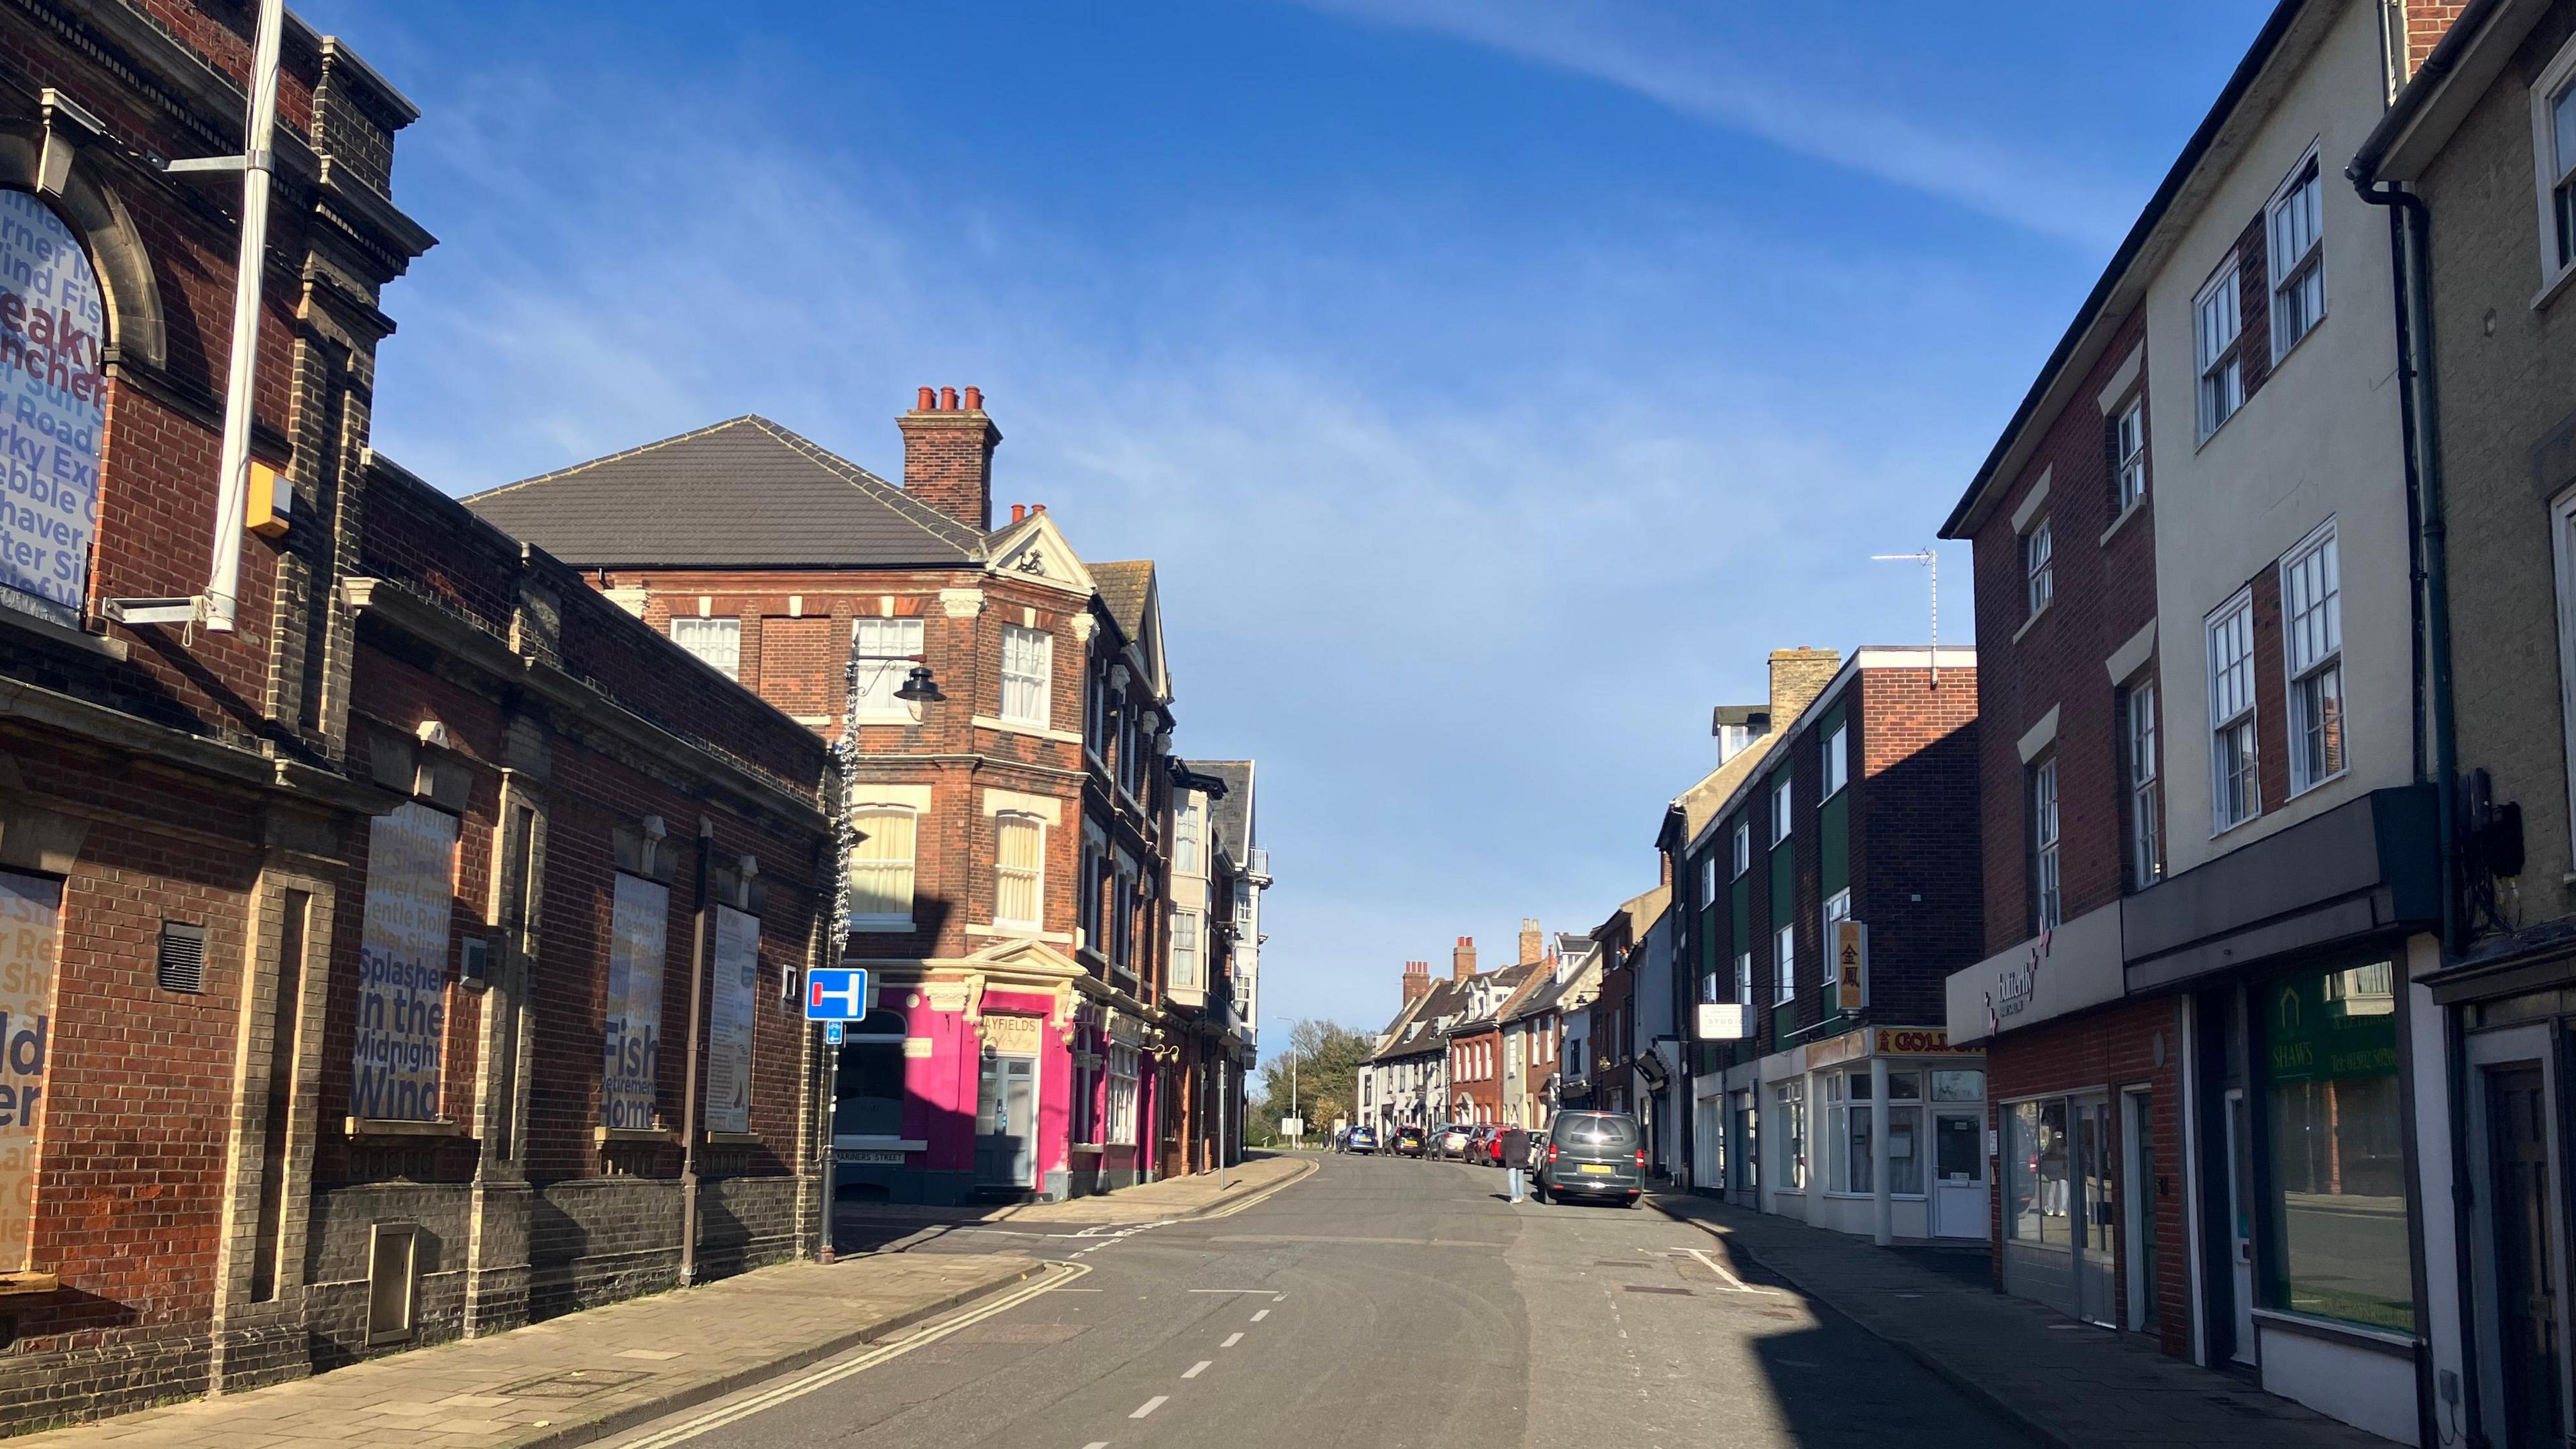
point(1410, 1040)
point(746, 492)
point(1700, 803)
point(1230, 814)
point(1123, 585)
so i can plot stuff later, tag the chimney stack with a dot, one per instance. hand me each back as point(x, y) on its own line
point(1530, 939)
point(948, 455)
point(1462, 961)
point(1417, 980)
point(1798, 677)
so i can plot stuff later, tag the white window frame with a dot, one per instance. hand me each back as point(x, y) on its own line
point(2146, 787)
point(1035, 875)
point(891, 920)
point(2562, 520)
point(884, 664)
point(2219, 362)
point(1744, 978)
point(1837, 761)
point(1743, 849)
point(1028, 671)
point(725, 628)
point(2129, 443)
point(1185, 834)
point(2038, 568)
point(2554, 174)
point(2048, 900)
point(1125, 1076)
point(2225, 722)
point(2312, 652)
point(1707, 879)
point(1087, 911)
point(1185, 951)
point(1784, 807)
point(1784, 965)
point(2296, 263)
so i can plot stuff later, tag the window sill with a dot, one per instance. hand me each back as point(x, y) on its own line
point(2036, 616)
point(880, 923)
point(735, 1139)
point(2225, 830)
point(63, 635)
point(389, 1127)
point(632, 1134)
point(2133, 510)
point(1022, 933)
point(2351, 1335)
point(2550, 289)
point(19, 1285)
point(2310, 788)
point(1033, 731)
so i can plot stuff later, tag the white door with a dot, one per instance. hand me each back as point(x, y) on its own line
point(2240, 1220)
point(1959, 1192)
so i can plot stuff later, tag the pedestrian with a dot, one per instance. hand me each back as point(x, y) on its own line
point(1515, 1158)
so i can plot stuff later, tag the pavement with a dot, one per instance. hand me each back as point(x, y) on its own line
point(1371, 1303)
point(2065, 1384)
point(583, 1377)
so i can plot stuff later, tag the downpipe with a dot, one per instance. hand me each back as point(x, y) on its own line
point(223, 576)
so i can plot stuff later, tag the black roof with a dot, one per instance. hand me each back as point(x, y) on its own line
point(743, 493)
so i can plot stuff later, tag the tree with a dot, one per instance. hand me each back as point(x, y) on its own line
point(1328, 1057)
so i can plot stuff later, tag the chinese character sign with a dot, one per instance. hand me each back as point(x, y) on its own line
point(639, 919)
point(30, 938)
point(402, 965)
point(737, 987)
point(52, 326)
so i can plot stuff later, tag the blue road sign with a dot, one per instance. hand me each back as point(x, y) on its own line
point(831, 1033)
point(836, 993)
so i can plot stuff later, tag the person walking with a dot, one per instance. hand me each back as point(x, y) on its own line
point(1515, 1158)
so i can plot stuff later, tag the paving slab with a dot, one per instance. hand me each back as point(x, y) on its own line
point(2068, 1384)
point(582, 1377)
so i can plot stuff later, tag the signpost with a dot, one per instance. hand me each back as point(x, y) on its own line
point(831, 1033)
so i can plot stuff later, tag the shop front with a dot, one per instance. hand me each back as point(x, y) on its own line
point(1875, 1132)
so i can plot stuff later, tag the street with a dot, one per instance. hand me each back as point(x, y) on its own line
point(1378, 1302)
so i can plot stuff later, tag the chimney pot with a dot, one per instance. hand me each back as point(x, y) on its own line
point(928, 401)
point(974, 399)
point(1019, 511)
point(948, 399)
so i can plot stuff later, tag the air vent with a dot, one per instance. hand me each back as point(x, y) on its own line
point(183, 958)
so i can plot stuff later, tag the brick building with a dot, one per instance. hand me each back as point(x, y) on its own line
point(1010, 886)
point(1831, 876)
point(352, 933)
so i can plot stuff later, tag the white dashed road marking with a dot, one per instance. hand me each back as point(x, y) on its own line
point(1151, 1405)
point(1196, 1369)
point(1231, 1340)
point(1264, 1313)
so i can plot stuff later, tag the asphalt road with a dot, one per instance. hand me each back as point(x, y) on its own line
point(1382, 1303)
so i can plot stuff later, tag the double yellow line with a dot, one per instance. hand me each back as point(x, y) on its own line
point(1054, 1276)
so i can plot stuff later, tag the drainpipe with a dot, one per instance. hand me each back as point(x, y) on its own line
point(2411, 225)
point(223, 580)
point(702, 938)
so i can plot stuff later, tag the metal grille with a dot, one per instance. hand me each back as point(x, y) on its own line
point(182, 964)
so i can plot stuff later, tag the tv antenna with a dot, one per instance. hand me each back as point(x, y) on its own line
point(1931, 561)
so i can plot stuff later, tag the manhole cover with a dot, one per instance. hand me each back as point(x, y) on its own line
point(1644, 1288)
point(573, 1383)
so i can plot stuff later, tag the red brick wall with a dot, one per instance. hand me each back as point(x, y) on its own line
point(1914, 808)
point(2138, 1043)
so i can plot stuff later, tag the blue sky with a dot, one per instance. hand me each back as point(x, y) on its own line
point(1495, 381)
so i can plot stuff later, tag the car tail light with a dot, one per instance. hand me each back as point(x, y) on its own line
point(1551, 1152)
point(1641, 1157)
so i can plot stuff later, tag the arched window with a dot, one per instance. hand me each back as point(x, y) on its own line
point(869, 1078)
point(53, 334)
point(881, 867)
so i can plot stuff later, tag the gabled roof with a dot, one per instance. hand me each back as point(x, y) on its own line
point(1129, 591)
point(743, 493)
point(1414, 1033)
point(1501, 986)
point(1230, 815)
point(1700, 803)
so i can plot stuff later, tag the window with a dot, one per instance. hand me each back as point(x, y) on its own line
point(1837, 761)
point(2129, 454)
point(2215, 328)
point(1019, 870)
point(1185, 836)
point(1088, 909)
point(1185, 950)
point(2234, 795)
point(868, 1085)
point(1744, 977)
point(2553, 126)
point(2146, 805)
point(1849, 1153)
point(881, 867)
point(2044, 899)
point(2295, 224)
point(2562, 523)
point(1123, 1074)
point(2334, 1188)
point(1099, 716)
point(1792, 1131)
point(2312, 636)
point(1708, 879)
point(1784, 964)
point(2037, 1188)
point(1122, 917)
point(1780, 803)
point(2038, 552)
point(1743, 846)
point(1028, 675)
point(716, 642)
point(886, 650)
point(1837, 911)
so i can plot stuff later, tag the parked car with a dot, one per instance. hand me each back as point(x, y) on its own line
point(1408, 1142)
point(1594, 1155)
point(1451, 1140)
point(1494, 1144)
point(1360, 1139)
point(1475, 1149)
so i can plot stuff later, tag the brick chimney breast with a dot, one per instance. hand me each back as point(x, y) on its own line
point(1798, 676)
point(1462, 961)
point(948, 455)
point(1530, 941)
point(1417, 979)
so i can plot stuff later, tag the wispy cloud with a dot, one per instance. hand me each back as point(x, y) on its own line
point(1679, 66)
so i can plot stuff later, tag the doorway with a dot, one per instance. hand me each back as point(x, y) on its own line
point(2141, 1155)
point(2240, 1223)
point(2096, 1265)
point(1006, 1122)
point(1959, 1199)
point(2527, 1311)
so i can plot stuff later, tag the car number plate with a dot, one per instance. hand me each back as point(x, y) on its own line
point(1602, 1168)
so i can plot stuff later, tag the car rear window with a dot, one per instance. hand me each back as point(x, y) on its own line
point(1591, 1130)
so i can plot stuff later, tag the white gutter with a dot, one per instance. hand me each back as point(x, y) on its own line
point(223, 583)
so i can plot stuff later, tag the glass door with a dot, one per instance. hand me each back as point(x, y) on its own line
point(1005, 1122)
point(1959, 1201)
point(2138, 1175)
point(2094, 1258)
point(2240, 1217)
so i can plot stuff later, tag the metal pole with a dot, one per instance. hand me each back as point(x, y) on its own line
point(830, 1114)
point(223, 579)
point(1883, 1213)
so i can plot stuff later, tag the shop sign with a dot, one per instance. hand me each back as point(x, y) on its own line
point(30, 944)
point(1838, 1049)
point(737, 988)
point(402, 965)
point(1915, 1041)
point(1012, 1036)
point(1718, 1021)
point(53, 410)
point(639, 919)
point(1851, 963)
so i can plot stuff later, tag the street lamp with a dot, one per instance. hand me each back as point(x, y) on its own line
point(919, 687)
